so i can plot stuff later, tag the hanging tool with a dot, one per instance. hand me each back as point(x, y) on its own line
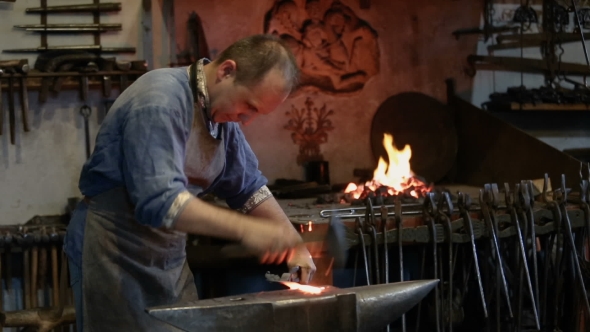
point(359, 230)
point(370, 227)
point(87, 48)
point(34, 271)
point(55, 240)
point(510, 204)
point(336, 242)
point(386, 251)
point(11, 111)
point(562, 200)
point(76, 27)
point(24, 101)
point(486, 203)
point(464, 202)
point(429, 210)
point(85, 111)
point(527, 201)
point(78, 8)
point(106, 65)
point(400, 229)
point(1, 108)
point(10, 68)
point(42, 281)
point(444, 211)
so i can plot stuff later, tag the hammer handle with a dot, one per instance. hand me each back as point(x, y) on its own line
point(1, 110)
point(11, 114)
point(24, 102)
point(34, 269)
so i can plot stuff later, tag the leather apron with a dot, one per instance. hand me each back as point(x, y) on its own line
point(128, 267)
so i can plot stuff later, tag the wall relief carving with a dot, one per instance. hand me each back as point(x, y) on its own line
point(336, 51)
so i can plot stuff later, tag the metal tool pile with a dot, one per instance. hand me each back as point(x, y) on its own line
point(510, 262)
point(33, 255)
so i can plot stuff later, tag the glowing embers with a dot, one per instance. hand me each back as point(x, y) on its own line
point(390, 178)
point(303, 288)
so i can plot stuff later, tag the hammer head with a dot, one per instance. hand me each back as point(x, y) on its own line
point(336, 241)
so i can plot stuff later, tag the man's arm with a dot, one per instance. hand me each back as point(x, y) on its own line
point(271, 210)
point(260, 235)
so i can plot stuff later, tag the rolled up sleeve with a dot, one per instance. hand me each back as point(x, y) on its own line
point(241, 177)
point(154, 141)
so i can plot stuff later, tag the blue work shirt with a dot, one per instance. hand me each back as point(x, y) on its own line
point(141, 145)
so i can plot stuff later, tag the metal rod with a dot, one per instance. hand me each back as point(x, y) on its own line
point(73, 48)
point(400, 225)
point(581, 32)
point(354, 212)
point(102, 7)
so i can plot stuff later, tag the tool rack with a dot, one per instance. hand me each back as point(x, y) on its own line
point(34, 76)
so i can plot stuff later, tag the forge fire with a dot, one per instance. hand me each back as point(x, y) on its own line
point(392, 177)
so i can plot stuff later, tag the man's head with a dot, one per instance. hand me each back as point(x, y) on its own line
point(252, 76)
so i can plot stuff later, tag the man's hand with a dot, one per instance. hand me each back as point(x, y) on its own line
point(302, 258)
point(272, 242)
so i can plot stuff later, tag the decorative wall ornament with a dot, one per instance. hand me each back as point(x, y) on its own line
point(310, 127)
point(336, 51)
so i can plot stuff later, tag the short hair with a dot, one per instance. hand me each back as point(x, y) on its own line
point(257, 55)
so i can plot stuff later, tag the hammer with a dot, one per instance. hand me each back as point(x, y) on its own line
point(12, 67)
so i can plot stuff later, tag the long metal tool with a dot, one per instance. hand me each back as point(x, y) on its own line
point(85, 111)
point(562, 200)
point(90, 48)
point(359, 230)
point(429, 209)
point(1, 108)
point(485, 200)
point(464, 202)
point(527, 201)
point(370, 224)
point(386, 253)
point(94, 8)
point(400, 230)
point(78, 27)
point(11, 111)
point(24, 102)
point(510, 203)
point(444, 211)
point(577, 18)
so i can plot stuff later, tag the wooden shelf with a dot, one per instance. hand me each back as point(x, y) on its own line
point(514, 107)
point(71, 81)
point(549, 107)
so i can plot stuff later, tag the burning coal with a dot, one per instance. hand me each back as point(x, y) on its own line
point(394, 177)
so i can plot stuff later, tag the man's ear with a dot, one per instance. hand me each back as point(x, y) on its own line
point(226, 69)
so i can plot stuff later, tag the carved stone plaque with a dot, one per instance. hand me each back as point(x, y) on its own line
point(336, 51)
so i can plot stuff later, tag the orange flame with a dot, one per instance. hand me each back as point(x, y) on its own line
point(303, 288)
point(396, 175)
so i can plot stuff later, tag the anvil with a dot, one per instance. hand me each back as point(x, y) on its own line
point(365, 308)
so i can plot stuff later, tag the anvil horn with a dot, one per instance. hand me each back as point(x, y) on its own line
point(365, 308)
point(380, 305)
